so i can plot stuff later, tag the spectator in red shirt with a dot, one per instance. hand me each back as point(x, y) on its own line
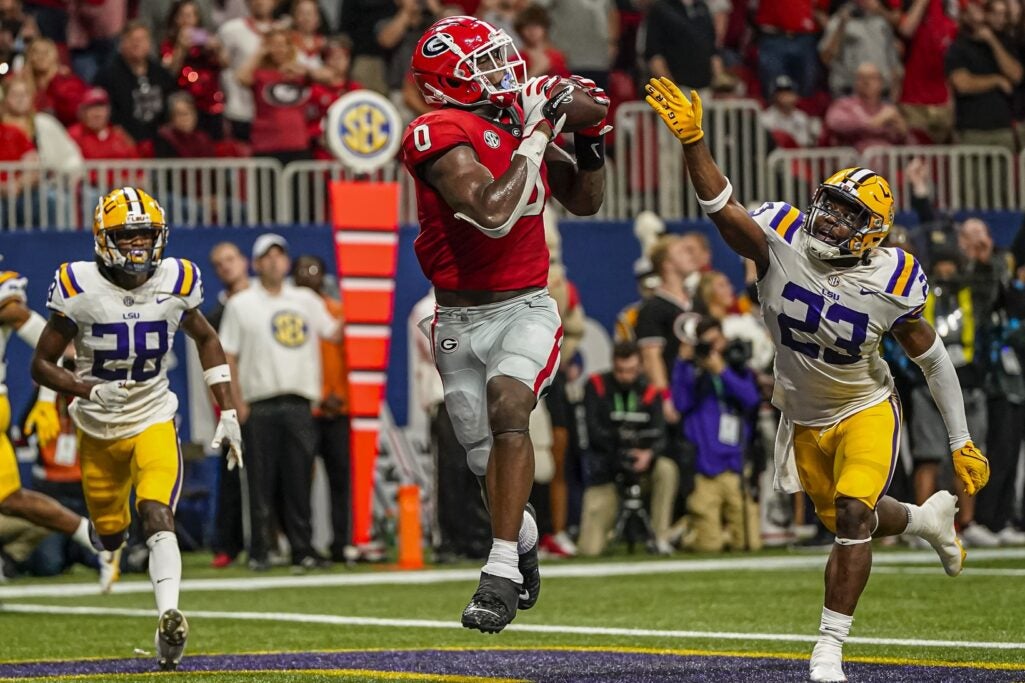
point(281, 90)
point(928, 31)
point(17, 189)
point(99, 139)
point(540, 55)
point(323, 95)
point(181, 137)
point(789, 41)
point(864, 119)
point(192, 55)
point(58, 90)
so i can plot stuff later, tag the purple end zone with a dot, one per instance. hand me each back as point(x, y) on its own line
point(550, 666)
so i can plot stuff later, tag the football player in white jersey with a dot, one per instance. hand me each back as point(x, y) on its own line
point(829, 291)
point(44, 511)
point(121, 310)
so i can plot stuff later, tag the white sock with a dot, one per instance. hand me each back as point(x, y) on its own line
point(81, 535)
point(914, 526)
point(165, 569)
point(528, 534)
point(833, 629)
point(504, 561)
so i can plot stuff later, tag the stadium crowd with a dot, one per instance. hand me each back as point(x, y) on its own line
point(669, 447)
point(196, 78)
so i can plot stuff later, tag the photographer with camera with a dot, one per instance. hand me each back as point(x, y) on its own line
point(627, 434)
point(716, 393)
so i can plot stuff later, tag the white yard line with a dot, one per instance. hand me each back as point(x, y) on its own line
point(548, 570)
point(969, 571)
point(333, 620)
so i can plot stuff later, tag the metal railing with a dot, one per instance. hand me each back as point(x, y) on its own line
point(650, 172)
point(963, 176)
point(193, 192)
point(645, 171)
point(793, 174)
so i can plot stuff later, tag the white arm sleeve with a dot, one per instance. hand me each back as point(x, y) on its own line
point(946, 392)
point(533, 150)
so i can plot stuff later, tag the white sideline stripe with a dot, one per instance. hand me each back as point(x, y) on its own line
point(333, 620)
point(564, 571)
point(969, 571)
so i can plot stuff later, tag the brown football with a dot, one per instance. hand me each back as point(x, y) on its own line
point(580, 108)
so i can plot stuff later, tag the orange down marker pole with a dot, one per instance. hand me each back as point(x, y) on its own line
point(365, 217)
point(411, 553)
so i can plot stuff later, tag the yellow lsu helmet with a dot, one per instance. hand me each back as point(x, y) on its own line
point(129, 209)
point(858, 199)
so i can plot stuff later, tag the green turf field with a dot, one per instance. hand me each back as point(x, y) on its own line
point(764, 603)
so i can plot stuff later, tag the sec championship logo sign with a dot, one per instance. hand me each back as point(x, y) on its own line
point(363, 130)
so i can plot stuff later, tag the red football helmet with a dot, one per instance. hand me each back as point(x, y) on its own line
point(458, 58)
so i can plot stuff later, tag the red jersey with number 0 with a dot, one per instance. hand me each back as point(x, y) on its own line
point(453, 253)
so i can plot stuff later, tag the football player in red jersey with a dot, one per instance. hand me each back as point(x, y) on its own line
point(483, 168)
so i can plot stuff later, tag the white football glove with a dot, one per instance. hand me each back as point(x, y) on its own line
point(534, 95)
point(111, 396)
point(229, 430)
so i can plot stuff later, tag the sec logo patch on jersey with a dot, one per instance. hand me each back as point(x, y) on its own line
point(290, 329)
point(491, 139)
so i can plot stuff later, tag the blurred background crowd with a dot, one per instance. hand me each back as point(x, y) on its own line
point(124, 79)
point(670, 449)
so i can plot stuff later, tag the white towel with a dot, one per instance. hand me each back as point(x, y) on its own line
point(786, 478)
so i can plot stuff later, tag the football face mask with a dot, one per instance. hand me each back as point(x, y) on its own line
point(129, 231)
point(850, 214)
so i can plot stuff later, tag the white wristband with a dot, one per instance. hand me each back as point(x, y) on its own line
point(217, 375)
point(31, 329)
point(46, 394)
point(718, 203)
point(533, 150)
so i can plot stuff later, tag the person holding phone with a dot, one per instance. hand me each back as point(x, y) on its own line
point(193, 56)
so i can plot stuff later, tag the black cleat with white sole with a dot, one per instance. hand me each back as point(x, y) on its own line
point(531, 573)
point(493, 606)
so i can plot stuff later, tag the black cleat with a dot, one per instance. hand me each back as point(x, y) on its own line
point(530, 571)
point(493, 606)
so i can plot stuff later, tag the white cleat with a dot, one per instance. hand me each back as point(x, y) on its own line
point(110, 569)
point(826, 665)
point(172, 632)
point(937, 527)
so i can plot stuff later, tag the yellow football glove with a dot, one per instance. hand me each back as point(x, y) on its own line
point(971, 467)
point(681, 116)
point(43, 420)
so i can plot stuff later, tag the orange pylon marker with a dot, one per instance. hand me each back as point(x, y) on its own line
point(411, 552)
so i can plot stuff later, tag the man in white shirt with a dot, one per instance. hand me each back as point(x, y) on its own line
point(271, 334)
point(782, 117)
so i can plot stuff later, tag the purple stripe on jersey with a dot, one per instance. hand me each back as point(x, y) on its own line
point(895, 446)
point(910, 315)
point(74, 282)
point(780, 215)
point(912, 279)
point(176, 491)
point(64, 290)
point(794, 227)
point(896, 273)
point(181, 276)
